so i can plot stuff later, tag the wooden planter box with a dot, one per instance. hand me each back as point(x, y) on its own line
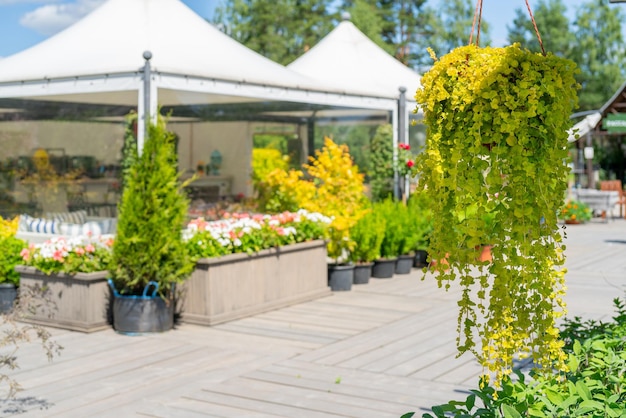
point(225, 288)
point(79, 302)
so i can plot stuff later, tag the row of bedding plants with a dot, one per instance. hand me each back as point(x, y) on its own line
point(251, 233)
point(86, 261)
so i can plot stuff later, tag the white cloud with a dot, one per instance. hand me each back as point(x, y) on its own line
point(52, 18)
point(3, 2)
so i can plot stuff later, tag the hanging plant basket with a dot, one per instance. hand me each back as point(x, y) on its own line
point(496, 149)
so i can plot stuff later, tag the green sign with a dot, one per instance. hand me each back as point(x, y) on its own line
point(615, 123)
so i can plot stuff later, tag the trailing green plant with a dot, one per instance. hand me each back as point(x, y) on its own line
point(497, 121)
point(380, 171)
point(152, 213)
point(367, 234)
point(593, 386)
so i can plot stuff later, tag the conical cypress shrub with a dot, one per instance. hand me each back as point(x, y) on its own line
point(152, 213)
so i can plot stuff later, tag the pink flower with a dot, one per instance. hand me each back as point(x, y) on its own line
point(79, 251)
point(58, 256)
point(89, 248)
point(25, 254)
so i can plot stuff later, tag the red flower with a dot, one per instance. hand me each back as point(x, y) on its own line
point(404, 146)
point(410, 163)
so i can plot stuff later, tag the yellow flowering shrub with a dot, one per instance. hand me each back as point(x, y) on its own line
point(336, 190)
point(339, 193)
point(497, 143)
point(285, 191)
point(8, 227)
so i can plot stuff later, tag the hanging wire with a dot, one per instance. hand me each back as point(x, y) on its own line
point(474, 21)
point(536, 29)
point(478, 13)
point(480, 19)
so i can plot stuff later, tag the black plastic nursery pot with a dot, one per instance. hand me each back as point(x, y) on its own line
point(340, 276)
point(384, 268)
point(362, 273)
point(8, 293)
point(404, 264)
point(139, 314)
point(421, 257)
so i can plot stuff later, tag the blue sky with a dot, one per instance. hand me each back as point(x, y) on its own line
point(24, 23)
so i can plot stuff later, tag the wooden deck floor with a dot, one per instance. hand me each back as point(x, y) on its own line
point(380, 350)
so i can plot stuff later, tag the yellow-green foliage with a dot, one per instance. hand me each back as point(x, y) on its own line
point(267, 167)
point(339, 193)
point(8, 227)
point(285, 191)
point(335, 189)
point(497, 143)
point(266, 160)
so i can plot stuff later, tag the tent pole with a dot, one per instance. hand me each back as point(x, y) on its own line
point(403, 138)
point(145, 117)
point(396, 177)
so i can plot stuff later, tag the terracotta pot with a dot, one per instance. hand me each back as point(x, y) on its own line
point(484, 253)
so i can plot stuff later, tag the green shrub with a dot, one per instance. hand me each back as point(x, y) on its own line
point(421, 220)
point(149, 244)
point(367, 235)
point(10, 249)
point(594, 386)
point(393, 238)
point(381, 164)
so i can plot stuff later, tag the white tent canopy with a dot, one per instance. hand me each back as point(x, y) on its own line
point(348, 57)
point(99, 60)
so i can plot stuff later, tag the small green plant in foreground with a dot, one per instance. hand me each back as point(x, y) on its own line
point(594, 386)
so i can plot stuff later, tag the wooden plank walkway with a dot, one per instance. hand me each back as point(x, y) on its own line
point(381, 350)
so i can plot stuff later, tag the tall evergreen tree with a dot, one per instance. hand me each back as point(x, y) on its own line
point(399, 23)
point(452, 26)
point(366, 17)
point(553, 24)
point(280, 30)
point(599, 52)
